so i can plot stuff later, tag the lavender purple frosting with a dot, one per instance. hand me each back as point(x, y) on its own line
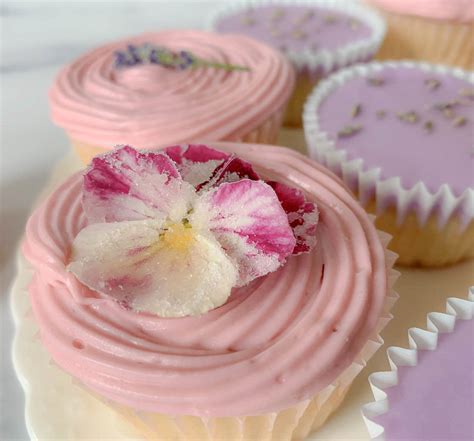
point(435, 399)
point(411, 123)
point(296, 27)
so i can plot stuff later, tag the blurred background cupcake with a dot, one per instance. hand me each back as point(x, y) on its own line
point(400, 135)
point(170, 87)
point(439, 31)
point(318, 36)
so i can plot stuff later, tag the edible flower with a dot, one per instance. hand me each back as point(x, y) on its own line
point(173, 232)
point(162, 56)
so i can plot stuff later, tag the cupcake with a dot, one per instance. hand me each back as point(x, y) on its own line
point(206, 295)
point(438, 31)
point(170, 87)
point(428, 394)
point(400, 135)
point(318, 36)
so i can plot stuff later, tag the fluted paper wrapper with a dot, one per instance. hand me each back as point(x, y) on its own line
point(430, 40)
point(265, 133)
point(419, 340)
point(428, 228)
point(290, 424)
point(312, 65)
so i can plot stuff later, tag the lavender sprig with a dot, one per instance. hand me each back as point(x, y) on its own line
point(149, 54)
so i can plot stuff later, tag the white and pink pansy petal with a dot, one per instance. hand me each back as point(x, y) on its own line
point(303, 215)
point(196, 163)
point(247, 219)
point(195, 153)
point(205, 167)
point(136, 264)
point(189, 281)
point(129, 185)
point(106, 257)
point(231, 170)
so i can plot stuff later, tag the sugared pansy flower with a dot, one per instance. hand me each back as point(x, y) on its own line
point(171, 233)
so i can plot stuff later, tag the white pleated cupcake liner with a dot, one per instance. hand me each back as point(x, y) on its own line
point(431, 40)
point(321, 62)
point(419, 340)
point(295, 422)
point(367, 182)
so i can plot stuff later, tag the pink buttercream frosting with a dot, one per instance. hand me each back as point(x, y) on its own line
point(450, 10)
point(276, 342)
point(150, 105)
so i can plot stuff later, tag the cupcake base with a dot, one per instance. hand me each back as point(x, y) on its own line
point(428, 40)
point(294, 112)
point(291, 424)
point(426, 245)
point(265, 133)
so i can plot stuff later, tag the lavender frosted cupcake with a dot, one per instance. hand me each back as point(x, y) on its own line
point(318, 36)
point(400, 135)
point(428, 393)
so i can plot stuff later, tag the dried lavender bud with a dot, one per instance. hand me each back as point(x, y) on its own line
point(347, 131)
point(248, 21)
point(277, 14)
point(448, 112)
point(432, 83)
point(459, 121)
point(149, 54)
point(428, 126)
point(375, 81)
point(354, 24)
point(381, 114)
point(330, 19)
point(410, 117)
point(467, 92)
point(299, 34)
point(356, 110)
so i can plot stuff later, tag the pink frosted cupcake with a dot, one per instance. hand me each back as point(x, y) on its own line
point(206, 296)
point(171, 87)
point(439, 31)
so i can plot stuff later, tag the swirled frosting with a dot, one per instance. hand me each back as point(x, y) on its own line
point(150, 105)
point(451, 10)
point(274, 343)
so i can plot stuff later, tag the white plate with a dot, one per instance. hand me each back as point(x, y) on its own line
point(57, 409)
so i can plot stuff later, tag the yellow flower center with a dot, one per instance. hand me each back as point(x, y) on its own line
point(178, 236)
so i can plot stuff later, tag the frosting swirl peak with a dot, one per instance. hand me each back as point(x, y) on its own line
point(150, 105)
